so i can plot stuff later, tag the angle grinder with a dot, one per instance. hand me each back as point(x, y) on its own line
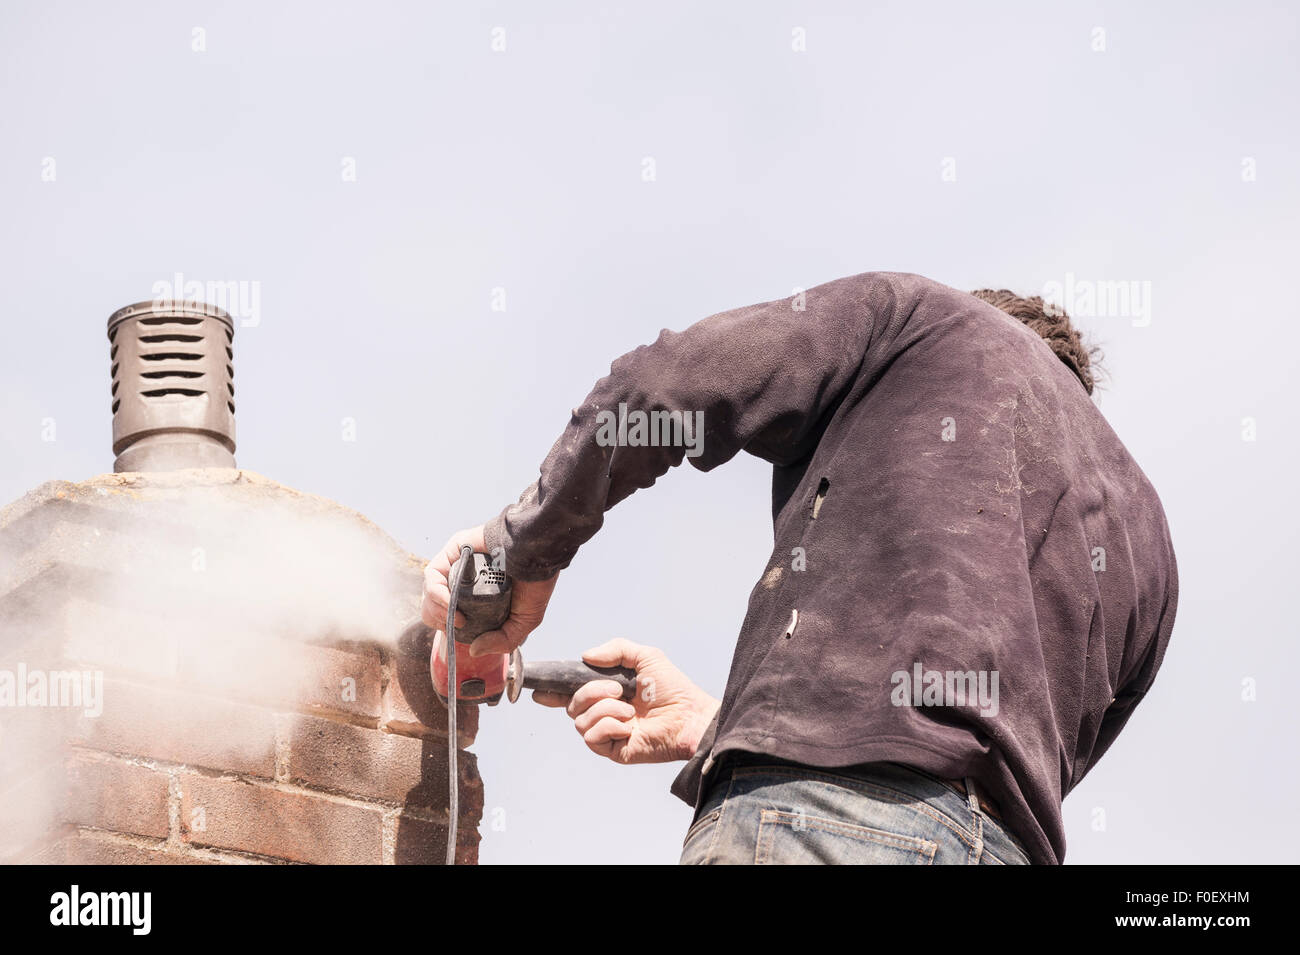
point(482, 594)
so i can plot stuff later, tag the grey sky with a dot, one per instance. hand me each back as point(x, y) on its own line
point(1169, 157)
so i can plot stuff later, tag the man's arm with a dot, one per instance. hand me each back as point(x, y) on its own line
point(763, 379)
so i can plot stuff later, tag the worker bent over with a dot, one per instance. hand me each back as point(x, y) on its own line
point(972, 583)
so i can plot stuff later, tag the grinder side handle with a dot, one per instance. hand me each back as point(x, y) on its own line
point(566, 676)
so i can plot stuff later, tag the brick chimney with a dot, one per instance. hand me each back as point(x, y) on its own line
point(187, 676)
point(332, 751)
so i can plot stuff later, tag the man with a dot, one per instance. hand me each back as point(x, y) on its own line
point(971, 588)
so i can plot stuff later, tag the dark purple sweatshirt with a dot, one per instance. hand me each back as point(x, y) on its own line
point(970, 575)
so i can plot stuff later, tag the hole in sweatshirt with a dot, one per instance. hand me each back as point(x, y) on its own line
point(822, 488)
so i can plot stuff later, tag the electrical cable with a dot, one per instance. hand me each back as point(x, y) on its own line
point(453, 688)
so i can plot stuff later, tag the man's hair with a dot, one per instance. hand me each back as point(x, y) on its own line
point(1051, 322)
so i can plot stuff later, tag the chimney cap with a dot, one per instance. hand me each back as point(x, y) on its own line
point(169, 307)
point(173, 386)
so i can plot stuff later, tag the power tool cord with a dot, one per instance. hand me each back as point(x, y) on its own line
point(453, 696)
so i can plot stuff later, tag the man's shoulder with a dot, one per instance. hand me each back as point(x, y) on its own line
point(922, 300)
point(903, 284)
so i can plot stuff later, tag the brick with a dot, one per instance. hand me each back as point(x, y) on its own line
point(322, 673)
point(107, 793)
point(120, 641)
point(181, 727)
point(30, 808)
point(411, 706)
point(29, 603)
point(471, 791)
point(372, 764)
point(30, 737)
point(399, 769)
point(276, 821)
point(288, 673)
point(102, 848)
point(421, 842)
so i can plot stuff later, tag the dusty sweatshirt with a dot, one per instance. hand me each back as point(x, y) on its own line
point(970, 574)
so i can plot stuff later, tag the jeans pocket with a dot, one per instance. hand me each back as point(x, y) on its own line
point(705, 820)
point(797, 838)
point(695, 845)
point(1003, 854)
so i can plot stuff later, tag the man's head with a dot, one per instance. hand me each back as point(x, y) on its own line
point(1051, 322)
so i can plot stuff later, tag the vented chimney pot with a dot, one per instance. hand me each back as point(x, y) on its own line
point(173, 386)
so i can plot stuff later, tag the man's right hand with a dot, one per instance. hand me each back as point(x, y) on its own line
point(528, 598)
point(664, 722)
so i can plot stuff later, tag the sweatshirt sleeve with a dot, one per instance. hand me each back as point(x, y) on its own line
point(763, 379)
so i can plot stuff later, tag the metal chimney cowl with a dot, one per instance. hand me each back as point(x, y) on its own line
point(173, 386)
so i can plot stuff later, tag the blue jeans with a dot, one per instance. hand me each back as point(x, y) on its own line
point(769, 812)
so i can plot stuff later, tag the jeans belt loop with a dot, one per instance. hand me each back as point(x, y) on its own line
point(972, 797)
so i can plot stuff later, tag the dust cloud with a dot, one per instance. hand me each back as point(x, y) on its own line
point(136, 600)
